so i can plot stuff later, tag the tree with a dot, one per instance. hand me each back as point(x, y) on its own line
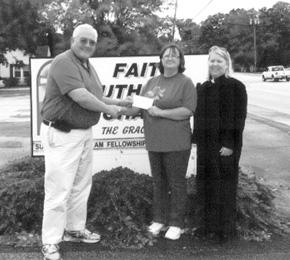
point(240, 31)
point(20, 27)
point(274, 32)
point(125, 27)
point(214, 31)
point(133, 26)
point(189, 33)
point(17, 23)
point(234, 32)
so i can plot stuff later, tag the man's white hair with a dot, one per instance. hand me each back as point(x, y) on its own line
point(83, 29)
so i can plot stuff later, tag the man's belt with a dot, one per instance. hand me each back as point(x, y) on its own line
point(61, 126)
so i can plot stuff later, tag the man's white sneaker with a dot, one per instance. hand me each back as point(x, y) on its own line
point(155, 228)
point(81, 236)
point(174, 233)
point(51, 252)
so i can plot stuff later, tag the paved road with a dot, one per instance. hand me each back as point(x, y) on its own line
point(14, 124)
point(266, 138)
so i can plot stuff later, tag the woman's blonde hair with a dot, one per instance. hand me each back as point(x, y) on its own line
point(225, 55)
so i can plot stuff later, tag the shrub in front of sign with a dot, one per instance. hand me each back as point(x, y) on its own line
point(21, 196)
point(119, 206)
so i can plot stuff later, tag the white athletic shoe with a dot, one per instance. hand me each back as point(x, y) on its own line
point(174, 233)
point(155, 228)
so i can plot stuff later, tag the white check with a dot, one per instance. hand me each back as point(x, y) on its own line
point(142, 102)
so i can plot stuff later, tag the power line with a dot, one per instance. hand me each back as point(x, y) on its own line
point(203, 9)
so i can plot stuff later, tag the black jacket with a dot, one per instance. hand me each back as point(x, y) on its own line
point(220, 114)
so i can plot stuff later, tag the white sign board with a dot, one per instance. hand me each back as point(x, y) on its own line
point(117, 142)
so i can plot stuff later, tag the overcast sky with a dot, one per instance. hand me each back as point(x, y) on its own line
point(199, 10)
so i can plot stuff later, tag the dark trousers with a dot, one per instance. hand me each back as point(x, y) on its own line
point(169, 186)
point(217, 180)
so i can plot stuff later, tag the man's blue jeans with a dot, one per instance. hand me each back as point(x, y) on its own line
point(169, 186)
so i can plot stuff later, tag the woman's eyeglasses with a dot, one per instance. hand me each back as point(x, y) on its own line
point(167, 57)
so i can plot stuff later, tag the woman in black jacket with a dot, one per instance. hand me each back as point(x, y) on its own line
point(219, 122)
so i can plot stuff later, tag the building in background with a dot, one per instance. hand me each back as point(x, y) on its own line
point(17, 66)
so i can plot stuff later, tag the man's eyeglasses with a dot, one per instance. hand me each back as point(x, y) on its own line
point(167, 57)
point(85, 41)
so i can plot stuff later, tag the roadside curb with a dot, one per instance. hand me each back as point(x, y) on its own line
point(280, 126)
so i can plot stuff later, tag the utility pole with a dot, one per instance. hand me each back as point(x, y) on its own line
point(174, 21)
point(254, 21)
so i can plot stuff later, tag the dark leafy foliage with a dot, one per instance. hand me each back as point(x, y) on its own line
point(258, 217)
point(21, 196)
point(10, 82)
point(120, 206)
point(19, 25)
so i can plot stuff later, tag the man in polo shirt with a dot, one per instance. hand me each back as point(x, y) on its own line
point(72, 105)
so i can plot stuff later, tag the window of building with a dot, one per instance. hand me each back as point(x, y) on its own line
point(17, 73)
point(26, 72)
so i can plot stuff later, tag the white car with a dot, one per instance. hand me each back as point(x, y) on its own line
point(276, 73)
point(287, 73)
